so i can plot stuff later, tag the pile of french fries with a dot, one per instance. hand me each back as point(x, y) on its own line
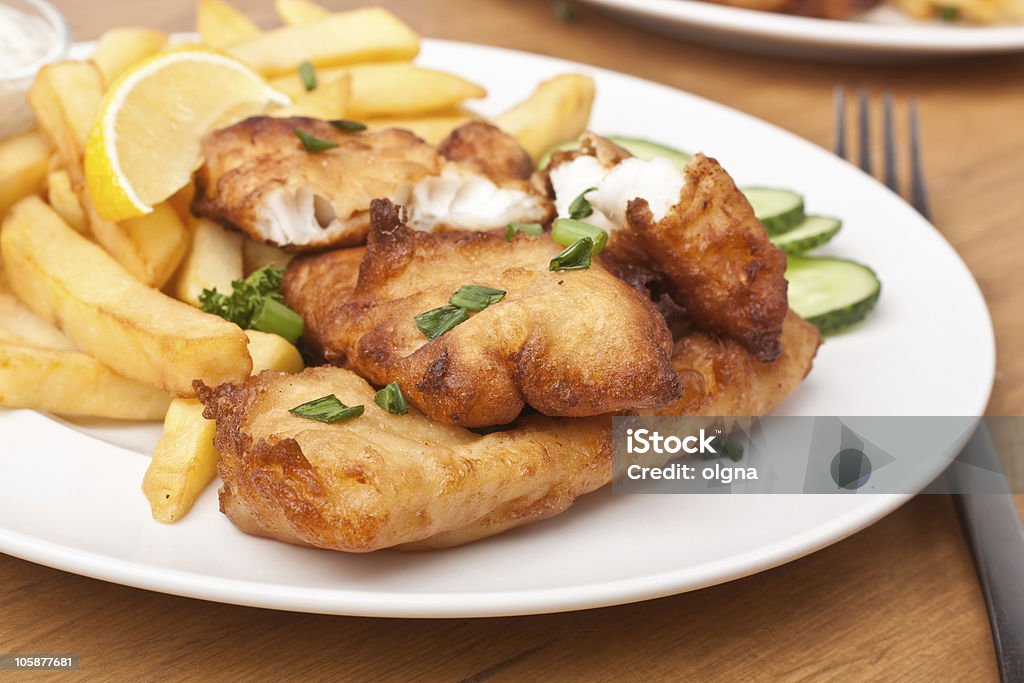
point(100, 318)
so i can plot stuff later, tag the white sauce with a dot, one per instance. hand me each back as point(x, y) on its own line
point(463, 200)
point(658, 181)
point(24, 40)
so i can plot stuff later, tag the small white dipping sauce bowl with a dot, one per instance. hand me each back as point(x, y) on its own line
point(32, 33)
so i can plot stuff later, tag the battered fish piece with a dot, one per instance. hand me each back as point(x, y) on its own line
point(691, 235)
point(382, 480)
point(720, 378)
point(259, 178)
point(717, 259)
point(567, 343)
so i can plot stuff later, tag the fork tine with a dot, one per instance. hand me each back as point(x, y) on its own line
point(918, 195)
point(891, 180)
point(865, 132)
point(839, 103)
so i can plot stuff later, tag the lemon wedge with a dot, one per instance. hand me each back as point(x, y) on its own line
point(144, 144)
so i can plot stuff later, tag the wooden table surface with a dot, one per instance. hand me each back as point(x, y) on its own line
point(899, 600)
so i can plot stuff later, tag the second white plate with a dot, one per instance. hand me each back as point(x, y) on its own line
point(883, 34)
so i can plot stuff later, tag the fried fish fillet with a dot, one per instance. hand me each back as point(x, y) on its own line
point(258, 177)
point(721, 378)
point(691, 235)
point(717, 259)
point(567, 343)
point(382, 480)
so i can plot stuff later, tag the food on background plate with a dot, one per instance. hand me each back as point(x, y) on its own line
point(970, 11)
point(489, 294)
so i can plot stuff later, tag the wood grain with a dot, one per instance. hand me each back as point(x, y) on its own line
point(899, 600)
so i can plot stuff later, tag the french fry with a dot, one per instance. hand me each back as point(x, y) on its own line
point(65, 98)
point(362, 35)
point(181, 202)
point(300, 11)
point(159, 242)
point(432, 128)
point(391, 89)
point(23, 162)
point(255, 255)
point(557, 111)
point(213, 262)
point(73, 383)
point(221, 25)
point(120, 48)
point(64, 200)
point(22, 327)
point(149, 247)
point(327, 101)
point(185, 459)
point(137, 331)
point(272, 352)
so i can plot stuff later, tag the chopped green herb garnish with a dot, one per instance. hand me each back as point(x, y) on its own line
point(274, 317)
point(949, 13)
point(390, 398)
point(580, 207)
point(438, 321)
point(476, 297)
point(247, 297)
point(327, 409)
point(576, 256)
point(347, 125)
point(525, 228)
point(725, 448)
point(308, 76)
point(312, 143)
point(565, 231)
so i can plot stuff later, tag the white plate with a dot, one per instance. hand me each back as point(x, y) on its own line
point(882, 34)
point(71, 500)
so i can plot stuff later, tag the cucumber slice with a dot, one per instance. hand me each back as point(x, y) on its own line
point(646, 150)
point(778, 210)
point(831, 293)
point(813, 232)
point(638, 147)
point(545, 158)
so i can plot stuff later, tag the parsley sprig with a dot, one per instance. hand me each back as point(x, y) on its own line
point(255, 303)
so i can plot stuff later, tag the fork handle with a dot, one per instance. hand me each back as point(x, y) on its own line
point(993, 528)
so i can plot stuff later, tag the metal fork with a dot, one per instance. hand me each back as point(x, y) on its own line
point(918, 196)
point(990, 520)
